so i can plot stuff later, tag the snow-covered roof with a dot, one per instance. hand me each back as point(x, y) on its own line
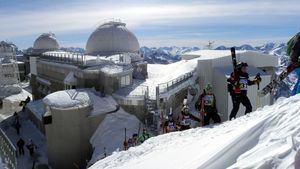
point(74, 98)
point(267, 138)
point(9, 90)
point(19, 97)
point(37, 107)
point(211, 54)
point(110, 133)
point(160, 73)
point(68, 99)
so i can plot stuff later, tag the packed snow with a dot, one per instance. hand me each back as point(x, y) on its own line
point(110, 133)
point(267, 138)
point(37, 107)
point(11, 103)
point(67, 99)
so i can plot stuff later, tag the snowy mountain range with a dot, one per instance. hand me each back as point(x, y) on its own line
point(165, 55)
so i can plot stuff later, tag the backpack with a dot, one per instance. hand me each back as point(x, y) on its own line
point(293, 48)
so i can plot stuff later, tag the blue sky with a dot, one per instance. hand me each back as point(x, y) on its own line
point(155, 22)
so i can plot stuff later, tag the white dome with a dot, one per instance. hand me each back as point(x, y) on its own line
point(46, 42)
point(112, 38)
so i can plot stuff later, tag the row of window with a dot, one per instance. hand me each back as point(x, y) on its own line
point(125, 81)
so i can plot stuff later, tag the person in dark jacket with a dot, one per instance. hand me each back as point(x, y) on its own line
point(293, 50)
point(169, 125)
point(238, 87)
point(20, 145)
point(208, 108)
point(31, 147)
point(186, 118)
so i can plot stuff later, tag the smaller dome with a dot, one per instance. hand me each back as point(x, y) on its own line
point(46, 42)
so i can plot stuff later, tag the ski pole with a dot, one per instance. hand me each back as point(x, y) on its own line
point(125, 142)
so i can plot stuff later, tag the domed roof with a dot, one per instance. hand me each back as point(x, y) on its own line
point(46, 42)
point(112, 38)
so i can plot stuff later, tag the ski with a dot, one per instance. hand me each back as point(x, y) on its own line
point(233, 57)
point(275, 82)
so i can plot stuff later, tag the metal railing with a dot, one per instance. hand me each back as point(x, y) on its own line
point(165, 87)
point(68, 58)
point(8, 151)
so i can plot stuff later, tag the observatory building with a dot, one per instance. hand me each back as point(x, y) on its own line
point(75, 88)
point(112, 61)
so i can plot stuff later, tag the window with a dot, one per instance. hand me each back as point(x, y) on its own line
point(125, 80)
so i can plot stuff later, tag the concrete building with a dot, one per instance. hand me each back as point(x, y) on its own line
point(215, 66)
point(105, 67)
point(73, 121)
point(9, 72)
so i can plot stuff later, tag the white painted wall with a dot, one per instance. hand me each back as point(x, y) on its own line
point(224, 103)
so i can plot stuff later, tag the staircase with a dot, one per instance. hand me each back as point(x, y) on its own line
point(150, 105)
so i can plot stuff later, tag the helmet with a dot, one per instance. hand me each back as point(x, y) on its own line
point(241, 64)
point(185, 109)
point(208, 88)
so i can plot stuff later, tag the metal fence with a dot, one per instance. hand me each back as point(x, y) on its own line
point(165, 87)
point(8, 151)
point(69, 58)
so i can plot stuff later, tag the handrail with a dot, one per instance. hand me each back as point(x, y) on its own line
point(8, 151)
point(167, 86)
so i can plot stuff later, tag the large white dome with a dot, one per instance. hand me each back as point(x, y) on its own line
point(46, 42)
point(112, 38)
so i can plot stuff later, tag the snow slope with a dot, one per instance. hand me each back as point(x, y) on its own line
point(170, 72)
point(268, 138)
point(110, 133)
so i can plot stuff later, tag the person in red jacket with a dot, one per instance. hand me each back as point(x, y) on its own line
point(238, 87)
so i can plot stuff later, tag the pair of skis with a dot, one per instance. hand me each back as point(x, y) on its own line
point(273, 84)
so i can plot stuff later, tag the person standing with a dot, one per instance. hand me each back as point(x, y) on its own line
point(133, 141)
point(186, 118)
point(144, 136)
point(20, 145)
point(208, 107)
point(170, 125)
point(293, 50)
point(238, 86)
point(31, 147)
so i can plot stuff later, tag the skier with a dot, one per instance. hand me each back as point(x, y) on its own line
point(293, 50)
point(208, 107)
point(144, 136)
point(30, 146)
point(170, 125)
point(20, 145)
point(186, 118)
point(237, 87)
point(133, 141)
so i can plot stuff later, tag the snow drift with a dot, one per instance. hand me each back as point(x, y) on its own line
point(265, 139)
